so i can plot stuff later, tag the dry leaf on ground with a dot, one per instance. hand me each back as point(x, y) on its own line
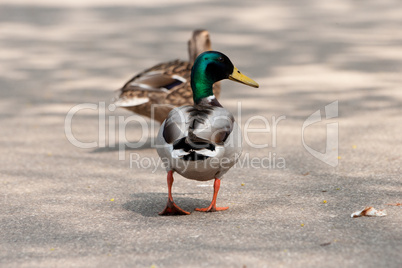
point(369, 211)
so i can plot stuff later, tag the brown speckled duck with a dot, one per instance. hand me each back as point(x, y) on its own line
point(166, 85)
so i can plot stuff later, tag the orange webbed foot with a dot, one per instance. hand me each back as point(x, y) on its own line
point(172, 209)
point(211, 209)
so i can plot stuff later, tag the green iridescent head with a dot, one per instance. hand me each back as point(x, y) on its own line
point(211, 67)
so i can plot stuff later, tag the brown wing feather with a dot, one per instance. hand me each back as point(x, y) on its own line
point(158, 85)
point(159, 75)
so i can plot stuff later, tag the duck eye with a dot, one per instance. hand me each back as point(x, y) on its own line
point(220, 59)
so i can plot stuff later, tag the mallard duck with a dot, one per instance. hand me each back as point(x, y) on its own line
point(157, 90)
point(202, 141)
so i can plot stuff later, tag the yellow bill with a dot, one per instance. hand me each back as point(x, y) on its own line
point(241, 78)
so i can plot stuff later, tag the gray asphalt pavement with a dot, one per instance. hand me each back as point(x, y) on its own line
point(66, 206)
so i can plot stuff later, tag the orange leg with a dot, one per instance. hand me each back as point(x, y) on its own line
point(171, 208)
point(212, 207)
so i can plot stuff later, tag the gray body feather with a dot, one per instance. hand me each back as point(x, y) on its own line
point(199, 142)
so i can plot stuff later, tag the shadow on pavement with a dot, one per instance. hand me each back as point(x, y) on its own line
point(150, 204)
